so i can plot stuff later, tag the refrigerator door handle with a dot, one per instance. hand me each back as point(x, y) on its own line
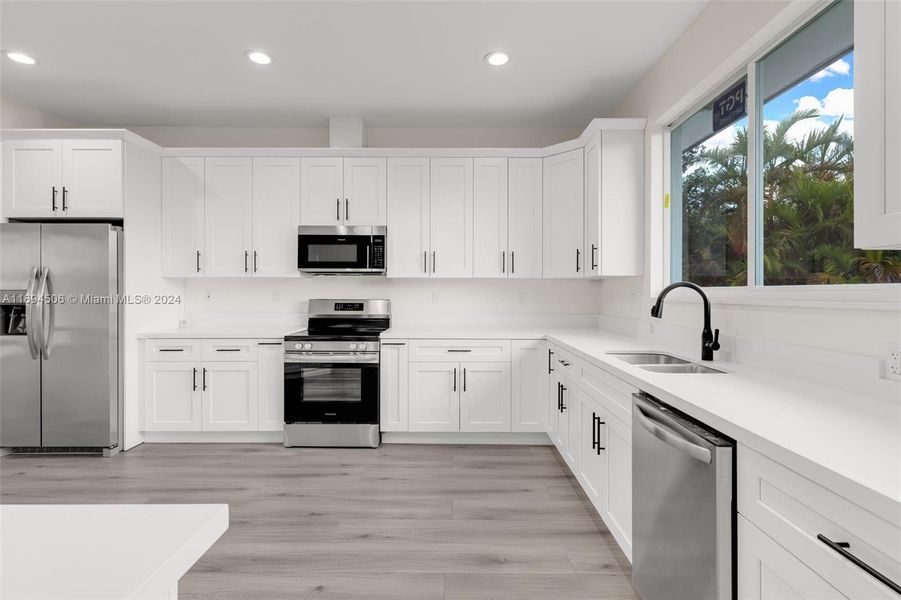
point(46, 329)
point(29, 314)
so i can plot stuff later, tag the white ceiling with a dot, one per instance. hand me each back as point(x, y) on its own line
point(413, 63)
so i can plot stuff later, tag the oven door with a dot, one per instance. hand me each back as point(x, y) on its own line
point(333, 253)
point(331, 391)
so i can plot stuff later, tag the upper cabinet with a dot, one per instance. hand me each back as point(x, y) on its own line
point(489, 224)
point(877, 124)
point(450, 226)
point(563, 215)
point(228, 210)
point(343, 191)
point(408, 238)
point(524, 227)
point(614, 203)
point(276, 216)
point(79, 179)
point(183, 219)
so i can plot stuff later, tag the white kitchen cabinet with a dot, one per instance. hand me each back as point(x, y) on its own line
point(32, 178)
point(563, 227)
point(228, 210)
point(614, 204)
point(553, 396)
point(365, 191)
point(276, 216)
point(561, 434)
point(450, 226)
point(172, 396)
point(183, 216)
point(618, 516)
point(78, 179)
point(434, 396)
point(271, 386)
point(229, 401)
point(408, 217)
point(767, 571)
point(484, 396)
point(524, 217)
point(573, 398)
point(529, 384)
point(593, 453)
point(321, 191)
point(489, 224)
point(877, 124)
point(394, 398)
point(92, 179)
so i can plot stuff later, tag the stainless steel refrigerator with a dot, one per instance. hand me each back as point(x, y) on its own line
point(60, 337)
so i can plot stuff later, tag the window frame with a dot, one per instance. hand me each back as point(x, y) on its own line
point(857, 296)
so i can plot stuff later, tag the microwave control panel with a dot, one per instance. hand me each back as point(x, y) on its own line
point(378, 252)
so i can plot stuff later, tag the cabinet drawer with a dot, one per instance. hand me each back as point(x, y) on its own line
point(614, 393)
point(460, 350)
point(229, 350)
point(172, 350)
point(565, 361)
point(794, 510)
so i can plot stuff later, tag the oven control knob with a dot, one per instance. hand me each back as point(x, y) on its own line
point(353, 346)
point(307, 346)
point(361, 347)
point(298, 346)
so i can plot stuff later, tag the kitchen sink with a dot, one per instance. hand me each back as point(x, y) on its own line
point(680, 368)
point(648, 358)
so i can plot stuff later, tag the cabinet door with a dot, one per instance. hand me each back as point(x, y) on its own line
point(572, 400)
point(394, 399)
point(553, 391)
point(489, 223)
point(365, 191)
point(276, 216)
point(172, 396)
point(183, 219)
point(593, 465)
point(230, 401)
point(561, 439)
point(228, 208)
point(877, 124)
point(618, 440)
point(450, 227)
point(32, 178)
point(92, 179)
point(621, 220)
point(530, 380)
point(563, 224)
point(767, 571)
point(485, 397)
point(321, 191)
point(434, 396)
point(524, 228)
point(408, 217)
point(593, 174)
point(271, 386)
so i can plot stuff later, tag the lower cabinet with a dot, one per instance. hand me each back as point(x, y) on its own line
point(485, 397)
point(434, 397)
point(593, 463)
point(222, 394)
point(618, 506)
point(529, 382)
point(394, 404)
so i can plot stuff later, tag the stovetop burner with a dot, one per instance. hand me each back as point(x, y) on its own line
point(345, 320)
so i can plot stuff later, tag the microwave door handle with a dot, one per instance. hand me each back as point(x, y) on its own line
point(30, 329)
point(670, 437)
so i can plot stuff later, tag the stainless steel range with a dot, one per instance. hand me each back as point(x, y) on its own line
point(332, 374)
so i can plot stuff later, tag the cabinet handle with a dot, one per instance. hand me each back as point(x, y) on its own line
point(338, 209)
point(425, 261)
point(433, 261)
point(594, 252)
point(597, 427)
point(455, 379)
point(464, 379)
point(550, 369)
point(65, 193)
point(228, 349)
point(841, 548)
point(563, 389)
point(269, 343)
point(198, 261)
point(578, 256)
point(503, 261)
point(53, 199)
point(394, 343)
point(245, 260)
point(559, 396)
point(204, 379)
point(513, 261)
point(346, 209)
point(459, 350)
point(594, 431)
point(194, 379)
point(171, 349)
point(255, 255)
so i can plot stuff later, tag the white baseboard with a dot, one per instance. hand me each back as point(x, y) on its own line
point(410, 437)
point(213, 437)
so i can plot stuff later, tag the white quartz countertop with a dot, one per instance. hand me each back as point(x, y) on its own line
point(221, 332)
point(846, 442)
point(102, 551)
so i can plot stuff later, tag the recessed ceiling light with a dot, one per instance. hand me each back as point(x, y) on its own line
point(260, 58)
point(20, 57)
point(496, 58)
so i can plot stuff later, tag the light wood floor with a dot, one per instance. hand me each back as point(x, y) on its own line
point(400, 522)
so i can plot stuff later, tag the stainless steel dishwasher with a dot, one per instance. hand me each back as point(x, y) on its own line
point(683, 512)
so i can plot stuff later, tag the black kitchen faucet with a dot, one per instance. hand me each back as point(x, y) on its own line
point(710, 340)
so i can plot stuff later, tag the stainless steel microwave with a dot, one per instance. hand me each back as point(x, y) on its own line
point(341, 250)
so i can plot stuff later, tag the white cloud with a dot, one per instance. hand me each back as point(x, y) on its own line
point(839, 67)
point(809, 102)
point(839, 101)
point(722, 138)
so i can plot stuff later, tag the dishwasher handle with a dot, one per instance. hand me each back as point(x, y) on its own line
point(664, 433)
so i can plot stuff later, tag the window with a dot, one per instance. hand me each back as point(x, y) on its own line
point(801, 193)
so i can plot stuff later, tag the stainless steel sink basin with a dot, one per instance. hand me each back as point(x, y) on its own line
point(648, 358)
point(683, 368)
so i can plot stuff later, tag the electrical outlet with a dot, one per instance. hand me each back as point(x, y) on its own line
point(276, 296)
point(893, 362)
point(208, 296)
point(435, 297)
point(182, 323)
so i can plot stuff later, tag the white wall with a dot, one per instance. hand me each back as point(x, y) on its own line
point(728, 32)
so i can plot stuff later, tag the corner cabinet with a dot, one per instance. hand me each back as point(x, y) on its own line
point(563, 215)
point(69, 178)
point(877, 124)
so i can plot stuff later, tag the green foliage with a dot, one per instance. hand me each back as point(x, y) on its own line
point(808, 203)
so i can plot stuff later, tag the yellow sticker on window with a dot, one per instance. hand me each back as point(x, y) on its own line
point(665, 200)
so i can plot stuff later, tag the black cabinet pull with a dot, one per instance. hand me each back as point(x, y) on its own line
point(228, 349)
point(269, 344)
point(337, 209)
point(346, 209)
point(594, 264)
point(255, 254)
point(512, 261)
point(171, 349)
point(597, 427)
point(578, 256)
point(559, 398)
point(65, 193)
point(594, 431)
point(204, 379)
point(550, 369)
point(53, 199)
point(198, 261)
point(394, 343)
point(563, 389)
point(503, 261)
point(455, 379)
point(458, 350)
point(194, 379)
point(841, 548)
point(425, 261)
point(464, 379)
point(245, 261)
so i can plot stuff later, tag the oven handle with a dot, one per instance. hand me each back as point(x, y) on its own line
point(321, 358)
